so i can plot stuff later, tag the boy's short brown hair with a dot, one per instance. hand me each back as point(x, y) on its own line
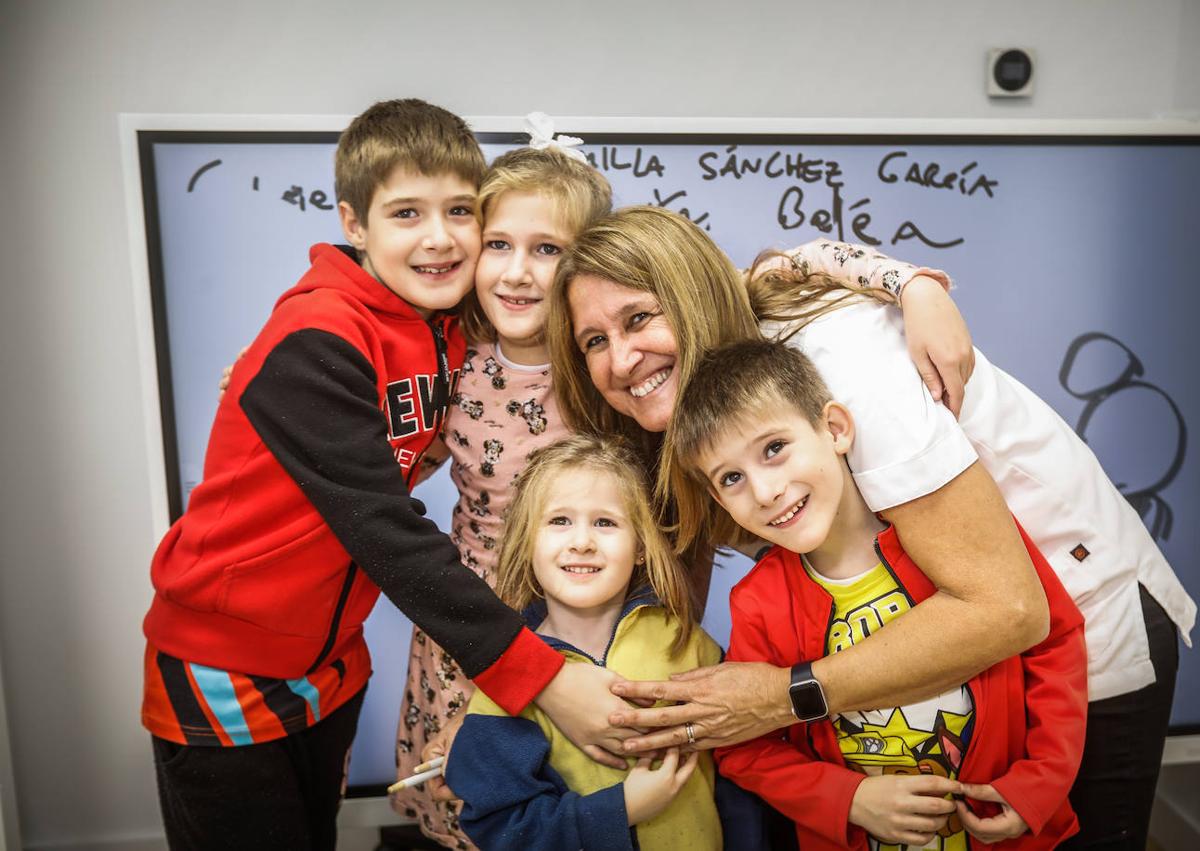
point(732, 385)
point(410, 133)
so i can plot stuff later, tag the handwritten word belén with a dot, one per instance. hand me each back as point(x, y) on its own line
point(931, 176)
point(790, 215)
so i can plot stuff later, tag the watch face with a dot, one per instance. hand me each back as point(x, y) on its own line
point(808, 702)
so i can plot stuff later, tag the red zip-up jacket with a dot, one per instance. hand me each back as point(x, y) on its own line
point(304, 515)
point(1030, 710)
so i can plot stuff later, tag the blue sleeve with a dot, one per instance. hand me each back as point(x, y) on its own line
point(743, 817)
point(513, 798)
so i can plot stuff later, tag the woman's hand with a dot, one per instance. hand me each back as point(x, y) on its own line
point(938, 340)
point(726, 704)
point(648, 790)
point(1007, 825)
point(903, 809)
point(580, 703)
point(440, 745)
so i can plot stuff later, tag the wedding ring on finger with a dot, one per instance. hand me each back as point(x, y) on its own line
point(690, 729)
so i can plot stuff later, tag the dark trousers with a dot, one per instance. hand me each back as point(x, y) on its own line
point(281, 795)
point(1122, 755)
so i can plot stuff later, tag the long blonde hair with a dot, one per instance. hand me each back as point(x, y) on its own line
point(579, 194)
point(701, 294)
point(661, 571)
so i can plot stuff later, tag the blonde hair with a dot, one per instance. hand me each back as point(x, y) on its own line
point(783, 289)
point(701, 294)
point(407, 133)
point(732, 387)
point(578, 193)
point(661, 571)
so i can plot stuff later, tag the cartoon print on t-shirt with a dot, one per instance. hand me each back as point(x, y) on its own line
point(473, 408)
point(531, 411)
point(492, 449)
point(495, 371)
point(479, 507)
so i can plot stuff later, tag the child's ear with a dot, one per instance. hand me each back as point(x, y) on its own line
point(840, 424)
point(353, 227)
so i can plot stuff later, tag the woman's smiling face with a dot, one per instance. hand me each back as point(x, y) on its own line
point(628, 346)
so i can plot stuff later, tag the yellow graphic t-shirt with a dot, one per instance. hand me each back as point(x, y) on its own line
point(929, 737)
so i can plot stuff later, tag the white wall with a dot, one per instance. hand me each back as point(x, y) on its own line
point(75, 528)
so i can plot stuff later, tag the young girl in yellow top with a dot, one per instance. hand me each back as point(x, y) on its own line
point(597, 580)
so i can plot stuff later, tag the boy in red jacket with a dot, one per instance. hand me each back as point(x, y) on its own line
point(255, 662)
point(757, 430)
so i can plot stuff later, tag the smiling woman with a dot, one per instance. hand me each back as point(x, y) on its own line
point(644, 294)
point(628, 347)
point(636, 282)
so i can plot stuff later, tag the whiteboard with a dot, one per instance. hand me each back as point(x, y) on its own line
point(1072, 254)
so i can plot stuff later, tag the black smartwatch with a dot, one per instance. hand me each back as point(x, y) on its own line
point(808, 699)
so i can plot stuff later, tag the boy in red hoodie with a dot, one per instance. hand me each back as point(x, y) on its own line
point(756, 428)
point(255, 661)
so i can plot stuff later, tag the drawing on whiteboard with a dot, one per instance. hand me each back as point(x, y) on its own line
point(200, 171)
point(1105, 373)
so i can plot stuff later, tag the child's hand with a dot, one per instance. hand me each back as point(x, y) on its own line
point(227, 375)
point(1007, 825)
point(579, 702)
point(938, 340)
point(648, 791)
point(903, 809)
point(440, 745)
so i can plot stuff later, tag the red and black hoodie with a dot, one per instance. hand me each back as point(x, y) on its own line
point(304, 515)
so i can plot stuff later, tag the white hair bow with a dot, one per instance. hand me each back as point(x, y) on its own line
point(540, 128)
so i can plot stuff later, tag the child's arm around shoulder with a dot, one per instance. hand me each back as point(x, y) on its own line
point(314, 402)
point(1056, 696)
point(862, 266)
point(938, 340)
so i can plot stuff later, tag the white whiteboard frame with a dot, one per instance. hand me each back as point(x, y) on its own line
point(1179, 749)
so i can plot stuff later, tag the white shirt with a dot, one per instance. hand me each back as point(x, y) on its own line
point(906, 446)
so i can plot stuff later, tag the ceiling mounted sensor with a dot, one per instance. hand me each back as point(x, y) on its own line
point(1010, 72)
